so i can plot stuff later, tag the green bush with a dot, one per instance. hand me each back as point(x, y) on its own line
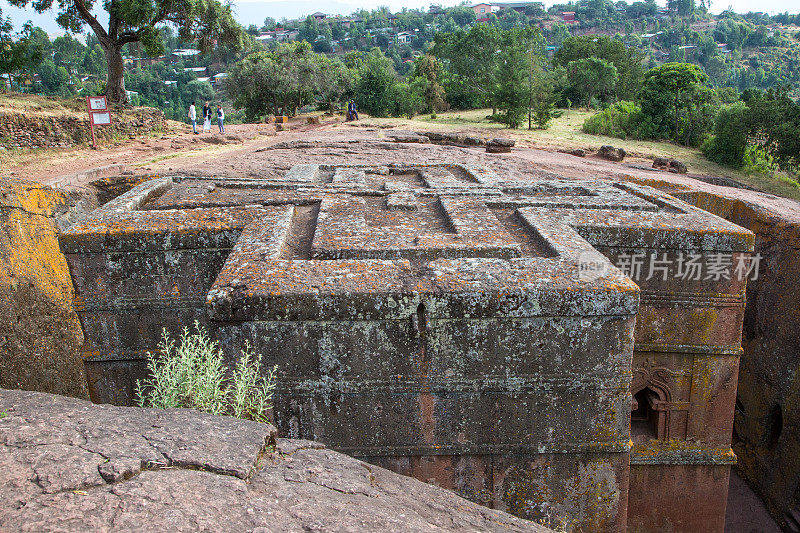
point(376, 85)
point(622, 120)
point(759, 161)
point(192, 374)
point(728, 145)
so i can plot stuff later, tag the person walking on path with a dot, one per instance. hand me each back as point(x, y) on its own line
point(206, 117)
point(220, 118)
point(193, 118)
point(353, 110)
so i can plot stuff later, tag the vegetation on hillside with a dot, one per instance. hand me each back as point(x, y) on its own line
point(206, 22)
point(678, 74)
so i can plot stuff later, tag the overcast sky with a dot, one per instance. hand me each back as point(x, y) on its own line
point(254, 11)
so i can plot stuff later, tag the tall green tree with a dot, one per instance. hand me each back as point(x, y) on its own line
point(773, 121)
point(408, 98)
point(426, 69)
point(683, 8)
point(543, 97)
point(269, 24)
point(729, 143)
point(68, 53)
point(376, 80)
point(472, 59)
point(19, 52)
point(540, 86)
point(591, 77)
point(94, 61)
point(285, 79)
point(663, 87)
point(207, 22)
point(627, 60)
point(462, 15)
point(512, 91)
point(308, 30)
point(55, 79)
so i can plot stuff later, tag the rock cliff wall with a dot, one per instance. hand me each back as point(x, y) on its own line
point(40, 335)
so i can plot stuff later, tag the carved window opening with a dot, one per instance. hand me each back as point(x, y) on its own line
point(651, 403)
point(644, 415)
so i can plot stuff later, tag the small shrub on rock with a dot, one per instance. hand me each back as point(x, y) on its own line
point(192, 374)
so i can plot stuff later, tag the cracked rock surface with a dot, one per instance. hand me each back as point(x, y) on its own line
point(69, 465)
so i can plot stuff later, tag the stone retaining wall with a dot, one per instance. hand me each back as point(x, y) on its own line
point(18, 130)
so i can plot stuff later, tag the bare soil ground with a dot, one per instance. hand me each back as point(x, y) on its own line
point(255, 150)
point(745, 512)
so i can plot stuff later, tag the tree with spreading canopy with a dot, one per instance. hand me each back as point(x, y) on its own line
point(207, 22)
point(627, 60)
point(18, 52)
point(472, 58)
point(286, 79)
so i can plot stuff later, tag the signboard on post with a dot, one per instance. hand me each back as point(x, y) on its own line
point(99, 114)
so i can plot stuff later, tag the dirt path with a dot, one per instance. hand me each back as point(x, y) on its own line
point(54, 165)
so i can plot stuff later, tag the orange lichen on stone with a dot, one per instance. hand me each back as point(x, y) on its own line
point(41, 332)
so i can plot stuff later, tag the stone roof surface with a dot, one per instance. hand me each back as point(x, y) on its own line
point(324, 239)
point(69, 465)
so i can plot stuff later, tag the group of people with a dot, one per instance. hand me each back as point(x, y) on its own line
point(352, 114)
point(207, 112)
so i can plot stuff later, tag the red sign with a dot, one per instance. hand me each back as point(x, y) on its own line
point(99, 114)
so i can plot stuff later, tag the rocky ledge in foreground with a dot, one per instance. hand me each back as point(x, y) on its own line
point(67, 464)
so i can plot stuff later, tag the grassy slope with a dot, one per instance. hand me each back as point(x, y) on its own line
point(565, 133)
point(45, 105)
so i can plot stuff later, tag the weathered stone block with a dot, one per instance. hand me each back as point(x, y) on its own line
point(497, 149)
point(439, 320)
point(69, 465)
point(499, 145)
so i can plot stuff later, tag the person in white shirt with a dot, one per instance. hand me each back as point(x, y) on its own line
point(193, 118)
point(220, 118)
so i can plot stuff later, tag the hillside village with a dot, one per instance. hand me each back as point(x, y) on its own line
point(752, 50)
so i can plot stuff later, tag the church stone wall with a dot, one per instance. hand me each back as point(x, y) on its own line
point(482, 333)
